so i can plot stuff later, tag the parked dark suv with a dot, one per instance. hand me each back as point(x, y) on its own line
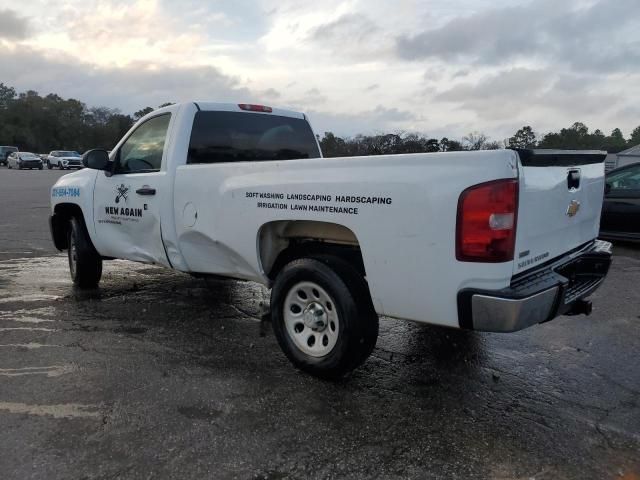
point(5, 152)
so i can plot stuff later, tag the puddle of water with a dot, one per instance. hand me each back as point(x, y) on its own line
point(41, 311)
point(34, 297)
point(8, 329)
point(50, 371)
point(66, 410)
point(29, 346)
point(25, 319)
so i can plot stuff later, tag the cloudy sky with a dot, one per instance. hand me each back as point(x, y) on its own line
point(438, 67)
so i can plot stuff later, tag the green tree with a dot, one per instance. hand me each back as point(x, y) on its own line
point(141, 113)
point(42, 123)
point(615, 142)
point(6, 95)
point(479, 141)
point(635, 138)
point(523, 138)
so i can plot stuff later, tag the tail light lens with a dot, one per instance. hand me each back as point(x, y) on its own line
point(487, 216)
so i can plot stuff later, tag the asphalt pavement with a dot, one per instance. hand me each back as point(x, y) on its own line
point(159, 375)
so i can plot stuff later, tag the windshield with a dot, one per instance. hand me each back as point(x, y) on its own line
point(68, 154)
point(8, 149)
point(29, 156)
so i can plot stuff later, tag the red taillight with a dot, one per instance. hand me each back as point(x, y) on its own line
point(487, 215)
point(255, 108)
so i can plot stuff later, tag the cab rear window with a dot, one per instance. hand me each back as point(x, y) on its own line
point(219, 137)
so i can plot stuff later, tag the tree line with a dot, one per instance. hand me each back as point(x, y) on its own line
point(42, 123)
point(575, 137)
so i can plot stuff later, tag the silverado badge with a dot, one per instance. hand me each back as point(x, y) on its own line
point(573, 208)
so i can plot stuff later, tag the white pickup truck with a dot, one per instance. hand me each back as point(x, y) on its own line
point(491, 240)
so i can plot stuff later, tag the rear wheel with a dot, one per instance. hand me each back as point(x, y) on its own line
point(322, 316)
point(49, 166)
point(85, 264)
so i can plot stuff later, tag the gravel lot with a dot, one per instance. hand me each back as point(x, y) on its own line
point(158, 375)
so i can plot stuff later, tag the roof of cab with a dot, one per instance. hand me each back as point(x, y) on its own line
point(233, 107)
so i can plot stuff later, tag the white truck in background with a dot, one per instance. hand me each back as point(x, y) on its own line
point(489, 240)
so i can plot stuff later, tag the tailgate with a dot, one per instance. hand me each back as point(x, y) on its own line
point(560, 200)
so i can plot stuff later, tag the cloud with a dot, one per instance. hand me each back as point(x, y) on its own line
point(13, 26)
point(128, 88)
point(442, 67)
point(348, 28)
point(353, 36)
point(379, 119)
point(270, 93)
point(595, 36)
point(510, 98)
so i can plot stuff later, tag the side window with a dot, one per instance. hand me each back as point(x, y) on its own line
point(142, 151)
point(625, 181)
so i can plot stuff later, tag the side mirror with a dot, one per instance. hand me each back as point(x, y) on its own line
point(96, 159)
point(607, 188)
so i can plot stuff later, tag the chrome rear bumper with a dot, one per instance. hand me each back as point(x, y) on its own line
point(558, 288)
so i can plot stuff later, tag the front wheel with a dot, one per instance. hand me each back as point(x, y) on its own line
point(85, 264)
point(323, 317)
point(49, 166)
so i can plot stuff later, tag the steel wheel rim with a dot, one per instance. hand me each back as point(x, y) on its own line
point(73, 256)
point(311, 319)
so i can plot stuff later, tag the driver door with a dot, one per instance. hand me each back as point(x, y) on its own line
point(127, 199)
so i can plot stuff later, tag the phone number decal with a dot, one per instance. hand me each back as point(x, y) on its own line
point(65, 192)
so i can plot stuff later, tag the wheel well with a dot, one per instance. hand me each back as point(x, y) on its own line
point(62, 213)
point(283, 241)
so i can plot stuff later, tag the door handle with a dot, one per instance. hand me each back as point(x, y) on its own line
point(146, 191)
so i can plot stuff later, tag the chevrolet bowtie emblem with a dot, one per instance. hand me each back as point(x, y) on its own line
point(573, 208)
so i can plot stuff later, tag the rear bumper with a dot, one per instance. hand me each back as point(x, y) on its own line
point(539, 296)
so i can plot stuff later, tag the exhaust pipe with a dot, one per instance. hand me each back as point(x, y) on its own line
point(581, 307)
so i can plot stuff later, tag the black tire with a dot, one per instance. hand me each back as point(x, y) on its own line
point(85, 264)
point(40, 167)
point(49, 166)
point(358, 321)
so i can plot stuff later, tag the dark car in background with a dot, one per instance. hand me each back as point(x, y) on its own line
point(5, 152)
point(621, 209)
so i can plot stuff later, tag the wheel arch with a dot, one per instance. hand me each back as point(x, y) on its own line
point(282, 241)
point(59, 223)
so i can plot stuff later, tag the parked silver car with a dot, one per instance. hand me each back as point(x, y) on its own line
point(22, 160)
